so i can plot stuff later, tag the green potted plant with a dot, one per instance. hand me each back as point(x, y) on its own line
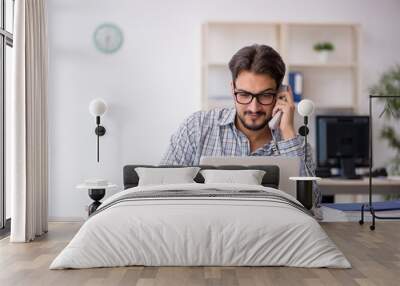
point(323, 50)
point(389, 84)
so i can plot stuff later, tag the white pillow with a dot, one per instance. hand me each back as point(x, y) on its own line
point(165, 176)
point(249, 177)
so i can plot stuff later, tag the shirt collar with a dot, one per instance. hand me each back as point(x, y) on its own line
point(276, 135)
point(228, 117)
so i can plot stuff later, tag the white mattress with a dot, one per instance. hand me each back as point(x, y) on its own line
point(200, 231)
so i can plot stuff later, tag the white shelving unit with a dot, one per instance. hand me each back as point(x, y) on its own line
point(331, 85)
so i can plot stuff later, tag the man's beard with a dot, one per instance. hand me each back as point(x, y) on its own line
point(253, 128)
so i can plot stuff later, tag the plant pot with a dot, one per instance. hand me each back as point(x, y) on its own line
point(323, 56)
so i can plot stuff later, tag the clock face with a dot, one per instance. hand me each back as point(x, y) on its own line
point(108, 38)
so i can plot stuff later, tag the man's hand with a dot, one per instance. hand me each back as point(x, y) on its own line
point(285, 104)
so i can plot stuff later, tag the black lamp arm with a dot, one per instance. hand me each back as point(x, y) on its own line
point(99, 131)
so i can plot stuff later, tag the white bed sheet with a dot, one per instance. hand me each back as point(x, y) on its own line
point(200, 231)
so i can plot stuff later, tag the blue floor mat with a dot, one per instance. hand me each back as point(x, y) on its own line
point(378, 206)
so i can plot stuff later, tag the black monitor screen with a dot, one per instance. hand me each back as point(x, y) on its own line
point(342, 137)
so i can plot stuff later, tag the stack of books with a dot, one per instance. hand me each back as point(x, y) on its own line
point(352, 211)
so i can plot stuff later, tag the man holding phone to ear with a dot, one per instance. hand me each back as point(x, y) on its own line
point(259, 96)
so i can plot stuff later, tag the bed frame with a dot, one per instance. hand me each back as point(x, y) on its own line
point(270, 179)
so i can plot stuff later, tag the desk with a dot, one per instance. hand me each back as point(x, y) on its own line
point(380, 186)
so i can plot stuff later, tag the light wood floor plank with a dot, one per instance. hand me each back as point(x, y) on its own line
point(375, 257)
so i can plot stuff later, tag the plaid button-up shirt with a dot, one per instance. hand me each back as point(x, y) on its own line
point(213, 133)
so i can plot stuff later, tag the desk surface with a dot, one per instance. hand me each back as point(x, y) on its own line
point(359, 182)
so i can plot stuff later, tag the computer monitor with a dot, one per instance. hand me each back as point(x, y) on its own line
point(343, 142)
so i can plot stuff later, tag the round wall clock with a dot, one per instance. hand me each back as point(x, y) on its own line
point(108, 38)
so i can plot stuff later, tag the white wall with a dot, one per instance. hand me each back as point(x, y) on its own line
point(153, 82)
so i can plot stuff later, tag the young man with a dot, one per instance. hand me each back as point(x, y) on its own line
point(257, 73)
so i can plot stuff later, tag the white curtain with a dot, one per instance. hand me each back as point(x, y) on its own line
point(27, 122)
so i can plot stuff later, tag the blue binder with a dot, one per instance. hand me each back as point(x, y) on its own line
point(296, 83)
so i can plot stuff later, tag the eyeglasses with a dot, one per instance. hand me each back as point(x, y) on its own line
point(245, 97)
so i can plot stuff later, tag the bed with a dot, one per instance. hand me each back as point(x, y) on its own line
point(201, 224)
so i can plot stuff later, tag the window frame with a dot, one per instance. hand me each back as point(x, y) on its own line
point(6, 39)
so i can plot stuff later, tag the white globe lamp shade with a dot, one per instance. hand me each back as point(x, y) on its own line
point(305, 107)
point(97, 107)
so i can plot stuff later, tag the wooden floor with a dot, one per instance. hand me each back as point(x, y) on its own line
point(375, 257)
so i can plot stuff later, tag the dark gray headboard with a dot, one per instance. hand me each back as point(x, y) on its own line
point(270, 179)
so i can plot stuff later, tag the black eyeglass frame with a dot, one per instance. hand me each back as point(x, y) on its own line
point(235, 92)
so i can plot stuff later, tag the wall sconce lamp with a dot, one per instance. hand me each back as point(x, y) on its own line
point(304, 184)
point(305, 109)
point(97, 108)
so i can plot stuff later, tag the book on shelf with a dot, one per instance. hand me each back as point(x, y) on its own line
point(296, 83)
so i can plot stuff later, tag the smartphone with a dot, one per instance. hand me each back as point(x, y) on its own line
point(276, 120)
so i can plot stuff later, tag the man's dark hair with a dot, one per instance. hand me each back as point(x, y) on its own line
point(260, 59)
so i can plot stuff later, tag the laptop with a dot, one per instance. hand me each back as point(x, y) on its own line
point(288, 167)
